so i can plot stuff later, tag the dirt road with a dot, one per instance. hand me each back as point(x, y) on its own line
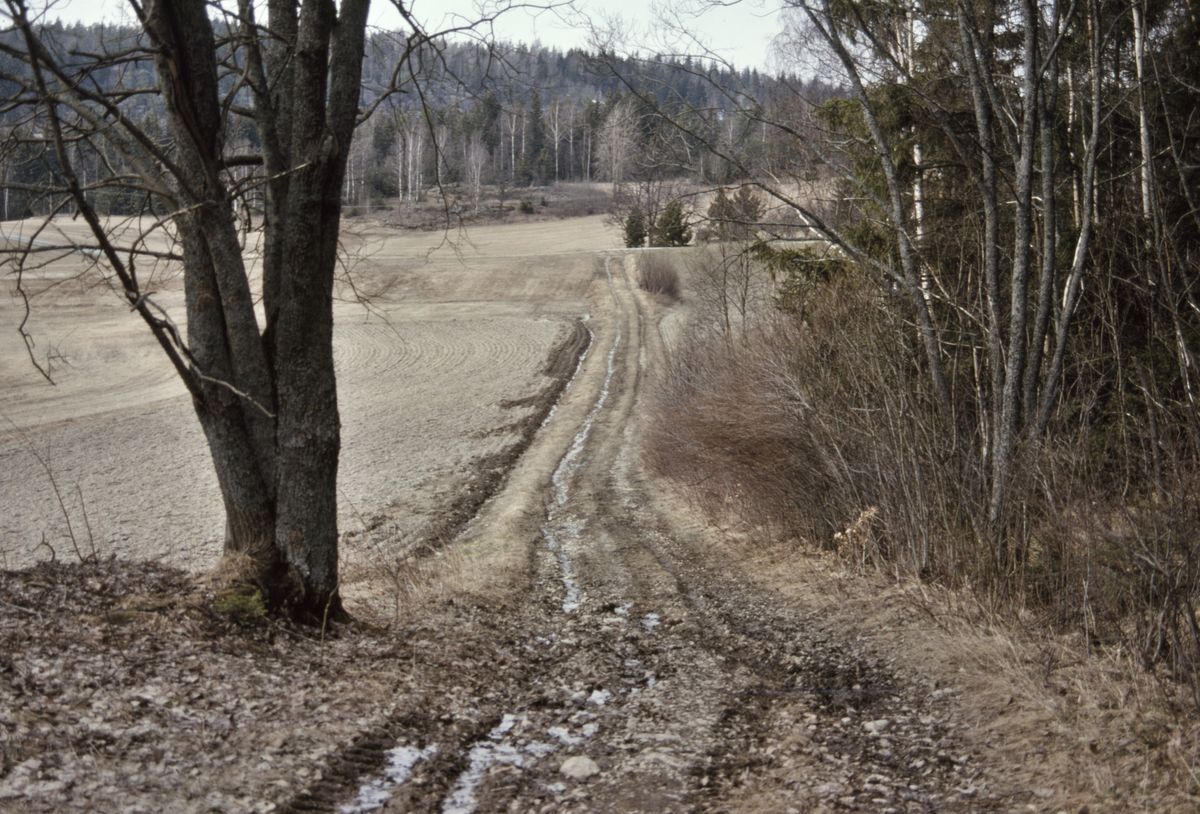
point(600, 663)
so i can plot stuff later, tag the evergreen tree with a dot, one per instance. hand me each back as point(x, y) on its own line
point(721, 214)
point(734, 218)
point(532, 170)
point(749, 208)
point(635, 228)
point(671, 228)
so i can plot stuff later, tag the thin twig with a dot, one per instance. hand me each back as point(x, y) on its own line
point(87, 523)
point(26, 610)
point(233, 390)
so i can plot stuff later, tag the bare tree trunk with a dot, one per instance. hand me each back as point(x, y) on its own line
point(1145, 169)
point(1008, 425)
point(1076, 187)
point(1073, 287)
point(909, 273)
point(1048, 101)
point(512, 144)
point(222, 329)
point(555, 133)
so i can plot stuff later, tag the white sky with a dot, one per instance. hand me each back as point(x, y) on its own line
point(739, 32)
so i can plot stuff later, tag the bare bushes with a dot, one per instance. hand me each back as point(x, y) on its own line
point(1119, 567)
point(731, 286)
point(658, 275)
point(822, 432)
point(803, 431)
point(725, 431)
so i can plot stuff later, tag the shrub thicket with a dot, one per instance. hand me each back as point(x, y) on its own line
point(658, 275)
point(820, 431)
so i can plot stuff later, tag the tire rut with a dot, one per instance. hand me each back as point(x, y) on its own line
point(672, 684)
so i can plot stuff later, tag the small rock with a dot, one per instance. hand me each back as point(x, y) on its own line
point(580, 767)
point(875, 727)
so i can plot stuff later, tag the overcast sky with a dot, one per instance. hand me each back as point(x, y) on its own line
point(740, 32)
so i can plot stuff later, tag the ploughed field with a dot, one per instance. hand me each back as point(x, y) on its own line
point(441, 344)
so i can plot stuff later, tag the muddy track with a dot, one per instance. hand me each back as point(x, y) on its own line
point(490, 471)
point(669, 683)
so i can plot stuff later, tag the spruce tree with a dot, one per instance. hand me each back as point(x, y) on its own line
point(635, 228)
point(672, 228)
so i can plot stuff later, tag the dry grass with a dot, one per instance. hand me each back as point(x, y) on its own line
point(385, 585)
point(817, 435)
point(384, 577)
point(1086, 729)
point(658, 274)
point(234, 569)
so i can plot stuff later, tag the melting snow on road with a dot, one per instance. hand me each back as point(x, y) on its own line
point(483, 756)
point(556, 530)
point(373, 794)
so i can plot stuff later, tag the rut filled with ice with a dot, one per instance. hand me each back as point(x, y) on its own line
point(560, 531)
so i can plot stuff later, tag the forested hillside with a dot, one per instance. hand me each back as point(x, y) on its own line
point(471, 115)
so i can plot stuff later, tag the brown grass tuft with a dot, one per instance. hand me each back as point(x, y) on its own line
point(235, 569)
point(658, 274)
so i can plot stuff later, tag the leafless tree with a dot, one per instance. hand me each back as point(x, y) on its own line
point(410, 151)
point(265, 394)
point(477, 158)
point(617, 143)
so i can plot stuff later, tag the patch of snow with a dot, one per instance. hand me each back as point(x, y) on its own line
point(483, 756)
point(374, 793)
point(564, 735)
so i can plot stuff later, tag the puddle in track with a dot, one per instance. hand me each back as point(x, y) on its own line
point(566, 569)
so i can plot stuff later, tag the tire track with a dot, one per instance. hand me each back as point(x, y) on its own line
point(631, 674)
